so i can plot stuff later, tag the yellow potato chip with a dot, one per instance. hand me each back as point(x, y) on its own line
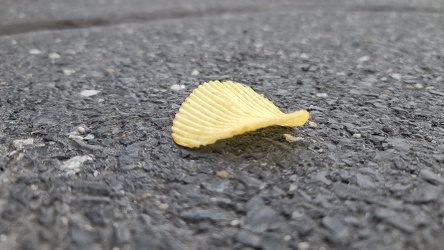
point(219, 110)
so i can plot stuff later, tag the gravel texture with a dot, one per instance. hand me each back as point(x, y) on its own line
point(87, 160)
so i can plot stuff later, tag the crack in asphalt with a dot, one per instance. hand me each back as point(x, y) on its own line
point(399, 9)
point(112, 19)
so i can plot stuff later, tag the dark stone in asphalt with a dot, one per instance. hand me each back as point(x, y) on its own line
point(122, 235)
point(197, 215)
point(254, 202)
point(47, 216)
point(12, 210)
point(398, 220)
point(83, 237)
point(100, 215)
point(348, 191)
point(426, 193)
point(304, 226)
point(272, 241)
point(258, 219)
point(247, 238)
point(91, 188)
point(202, 227)
point(401, 222)
point(22, 193)
point(431, 177)
point(5, 227)
point(366, 182)
point(337, 228)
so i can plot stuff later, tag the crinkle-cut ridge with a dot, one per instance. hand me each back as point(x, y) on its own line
point(219, 110)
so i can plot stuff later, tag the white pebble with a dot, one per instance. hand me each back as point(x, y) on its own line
point(303, 245)
point(234, 223)
point(195, 72)
point(35, 52)
point(396, 76)
point(296, 215)
point(357, 136)
point(73, 165)
point(88, 137)
point(322, 95)
point(419, 86)
point(75, 137)
point(291, 138)
point(18, 144)
point(304, 56)
point(177, 87)
point(364, 58)
point(89, 92)
point(54, 56)
point(81, 130)
point(312, 124)
point(292, 188)
point(68, 71)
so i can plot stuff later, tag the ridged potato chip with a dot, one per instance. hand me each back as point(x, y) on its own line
point(219, 110)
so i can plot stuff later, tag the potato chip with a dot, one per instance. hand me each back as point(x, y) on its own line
point(219, 110)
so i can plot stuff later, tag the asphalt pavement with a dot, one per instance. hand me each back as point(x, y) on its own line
point(89, 89)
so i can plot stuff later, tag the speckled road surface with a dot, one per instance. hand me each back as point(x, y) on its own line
point(88, 92)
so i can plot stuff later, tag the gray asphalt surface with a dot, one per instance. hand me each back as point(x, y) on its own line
point(88, 92)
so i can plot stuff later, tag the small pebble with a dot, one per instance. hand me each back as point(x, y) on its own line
point(64, 221)
point(110, 71)
point(234, 223)
point(88, 227)
point(357, 136)
point(322, 95)
point(35, 52)
point(303, 246)
point(18, 144)
point(291, 138)
point(364, 58)
point(53, 56)
point(222, 174)
point(419, 86)
point(20, 157)
point(195, 72)
point(73, 165)
point(89, 92)
point(177, 87)
point(3, 84)
point(304, 56)
point(396, 76)
point(3, 238)
point(312, 124)
point(88, 137)
point(68, 72)
point(145, 196)
point(81, 130)
point(163, 206)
